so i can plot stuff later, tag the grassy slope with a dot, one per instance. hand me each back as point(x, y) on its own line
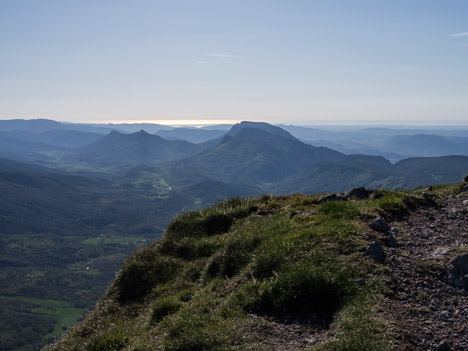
point(219, 274)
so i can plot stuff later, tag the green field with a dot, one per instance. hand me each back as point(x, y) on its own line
point(118, 240)
point(65, 313)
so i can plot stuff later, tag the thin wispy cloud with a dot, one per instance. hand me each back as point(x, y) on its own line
point(456, 35)
point(411, 25)
point(225, 56)
point(202, 62)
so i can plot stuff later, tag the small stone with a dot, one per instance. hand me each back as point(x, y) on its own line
point(464, 188)
point(376, 251)
point(444, 346)
point(445, 315)
point(379, 224)
point(361, 281)
point(458, 274)
point(391, 241)
point(428, 196)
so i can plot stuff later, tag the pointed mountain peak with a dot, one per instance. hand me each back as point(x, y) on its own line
point(142, 132)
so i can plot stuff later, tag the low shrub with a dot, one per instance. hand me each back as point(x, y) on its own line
point(306, 289)
point(235, 255)
point(164, 307)
point(195, 224)
point(188, 248)
point(142, 272)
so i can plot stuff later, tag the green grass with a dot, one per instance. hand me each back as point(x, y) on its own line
point(275, 257)
point(358, 327)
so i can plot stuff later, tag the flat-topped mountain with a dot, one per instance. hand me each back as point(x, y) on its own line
point(254, 154)
point(266, 127)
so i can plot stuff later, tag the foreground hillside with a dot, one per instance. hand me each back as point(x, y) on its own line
point(356, 271)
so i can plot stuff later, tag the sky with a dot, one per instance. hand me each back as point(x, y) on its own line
point(221, 61)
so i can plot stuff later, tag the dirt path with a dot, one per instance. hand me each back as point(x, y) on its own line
point(430, 313)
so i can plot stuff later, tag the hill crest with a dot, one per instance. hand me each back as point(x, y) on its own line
point(292, 272)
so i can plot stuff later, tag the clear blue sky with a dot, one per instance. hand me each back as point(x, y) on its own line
point(291, 61)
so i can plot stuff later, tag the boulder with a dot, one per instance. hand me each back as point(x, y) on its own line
point(465, 179)
point(379, 224)
point(332, 197)
point(360, 193)
point(458, 273)
point(376, 251)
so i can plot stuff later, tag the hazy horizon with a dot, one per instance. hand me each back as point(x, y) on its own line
point(204, 123)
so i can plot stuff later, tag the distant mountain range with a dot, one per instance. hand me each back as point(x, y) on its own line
point(392, 143)
point(250, 157)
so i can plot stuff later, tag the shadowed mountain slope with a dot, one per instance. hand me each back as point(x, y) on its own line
point(426, 145)
point(134, 148)
point(254, 155)
point(193, 135)
point(375, 172)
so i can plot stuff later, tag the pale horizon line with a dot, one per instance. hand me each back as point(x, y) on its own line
point(203, 123)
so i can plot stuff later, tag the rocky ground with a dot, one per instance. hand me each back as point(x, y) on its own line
point(428, 310)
